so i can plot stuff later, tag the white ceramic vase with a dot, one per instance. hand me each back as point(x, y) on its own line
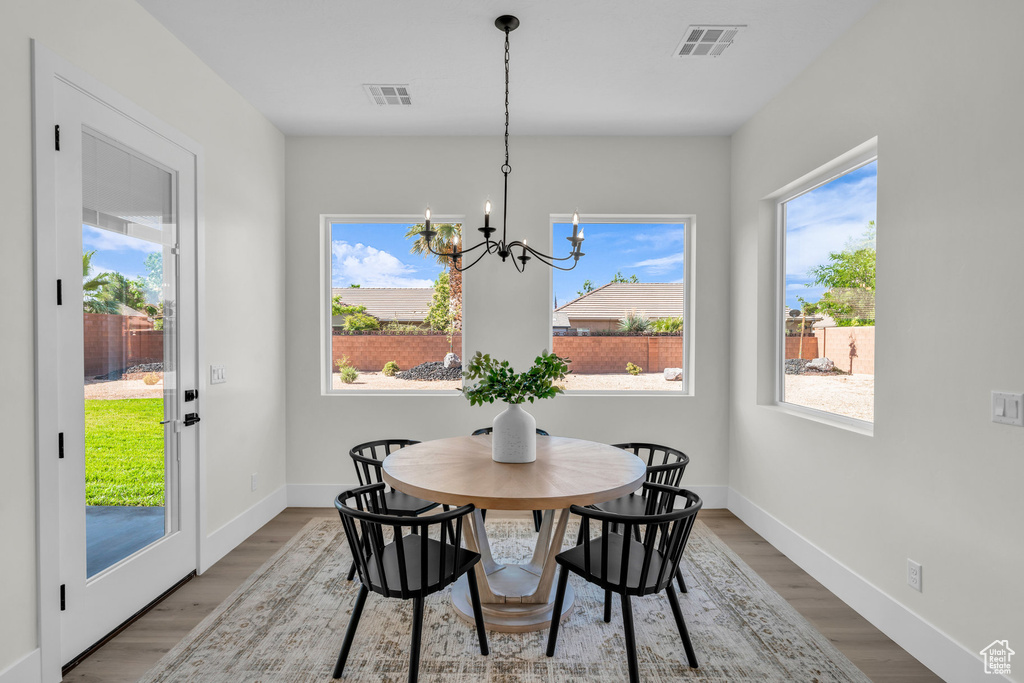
point(514, 438)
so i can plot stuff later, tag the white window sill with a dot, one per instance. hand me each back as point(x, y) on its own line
point(849, 424)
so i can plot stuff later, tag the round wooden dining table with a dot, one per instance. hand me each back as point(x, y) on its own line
point(459, 471)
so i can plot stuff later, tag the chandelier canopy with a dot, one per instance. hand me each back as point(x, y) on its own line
point(503, 248)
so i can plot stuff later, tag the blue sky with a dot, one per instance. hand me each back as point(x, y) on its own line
point(651, 251)
point(377, 255)
point(822, 221)
point(117, 252)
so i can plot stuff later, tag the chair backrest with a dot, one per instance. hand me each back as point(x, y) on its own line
point(488, 430)
point(644, 557)
point(368, 458)
point(407, 566)
point(664, 465)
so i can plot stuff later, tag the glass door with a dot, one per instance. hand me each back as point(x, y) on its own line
point(127, 327)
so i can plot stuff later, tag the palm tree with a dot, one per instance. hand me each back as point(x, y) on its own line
point(93, 287)
point(448, 237)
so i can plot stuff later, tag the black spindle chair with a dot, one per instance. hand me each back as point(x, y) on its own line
point(410, 567)
point(538, 515)
point(620, 563)
point(664, 466)
point(368, 459)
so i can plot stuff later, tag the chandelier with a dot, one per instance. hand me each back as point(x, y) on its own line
point(503, 248)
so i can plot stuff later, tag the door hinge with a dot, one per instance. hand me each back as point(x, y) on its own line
point(56, 137)
point(60, 445)
point(63, 605)
point(60, 293)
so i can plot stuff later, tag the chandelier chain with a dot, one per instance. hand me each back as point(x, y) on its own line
point(506, 168)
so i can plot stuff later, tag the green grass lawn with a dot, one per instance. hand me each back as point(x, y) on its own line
point(124, 452)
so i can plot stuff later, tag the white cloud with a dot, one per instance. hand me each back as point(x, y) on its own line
point(370, 267)
point(662, 235)
point(822, 221)
point(105, 240)
point(664, 264)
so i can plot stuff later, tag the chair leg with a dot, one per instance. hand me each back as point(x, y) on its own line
point(607, 606)
point(538, 517)
point(352, 571)
point(627, 623)
point(483, 515)
point(556, 610)
point(417, 636)
point(350, 632)
point(679, 579)
point(691, 656)
point(478, 613)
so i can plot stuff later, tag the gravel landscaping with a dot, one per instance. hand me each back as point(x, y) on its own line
point(849, 395)
point(124, 388)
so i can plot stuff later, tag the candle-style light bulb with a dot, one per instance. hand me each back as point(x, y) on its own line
point(487, 214)
point(426, 214)
point(581, 235)
point(575, 225)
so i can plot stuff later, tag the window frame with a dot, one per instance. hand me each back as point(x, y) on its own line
point(847, 163)
point(689, 222)
point(326, 319)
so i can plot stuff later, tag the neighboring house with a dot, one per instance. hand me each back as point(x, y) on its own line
point(404, 305)
point(601, 309)
point(559, 323)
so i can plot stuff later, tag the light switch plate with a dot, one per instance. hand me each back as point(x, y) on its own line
point(1008, 408)
point(218, 374)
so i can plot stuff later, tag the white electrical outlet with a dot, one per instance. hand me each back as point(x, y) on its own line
point(914, 574)
point(218, 374)
point(254, 475)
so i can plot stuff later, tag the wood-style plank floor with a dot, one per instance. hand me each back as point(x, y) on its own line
point(134, 651)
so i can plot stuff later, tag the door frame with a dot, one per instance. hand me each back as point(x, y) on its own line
point(47, 69)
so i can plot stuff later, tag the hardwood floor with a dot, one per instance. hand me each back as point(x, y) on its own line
point(133, 652)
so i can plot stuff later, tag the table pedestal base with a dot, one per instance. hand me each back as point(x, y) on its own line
point(515, 597)
point(510, 617)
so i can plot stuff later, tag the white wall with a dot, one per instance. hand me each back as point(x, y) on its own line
point(939, 83)
point(506, 313)
point(125, 48)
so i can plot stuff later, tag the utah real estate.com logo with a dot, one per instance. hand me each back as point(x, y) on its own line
point(997, 657)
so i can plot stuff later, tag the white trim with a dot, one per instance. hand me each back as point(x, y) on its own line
point(47, 69)
point(921, 639)
point(326, 285)
point(323, 495)
point(689, 223)
point(25, 670)
point(228, 537)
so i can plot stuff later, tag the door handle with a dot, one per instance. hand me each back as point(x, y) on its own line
point(163, 422)
point(191, 419)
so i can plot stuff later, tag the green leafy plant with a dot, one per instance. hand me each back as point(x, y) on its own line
point(346, 372)
point(619, 277)
point(588, 287)
point(496, 380)
point(635, 322)
point(390, 368)
point(633, 369)
point(358, 322)
point(667, 325)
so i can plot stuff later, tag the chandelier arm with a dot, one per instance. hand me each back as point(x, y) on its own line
point(475, 261)
point(539, 254)
point(457, 253)
point(548, 261)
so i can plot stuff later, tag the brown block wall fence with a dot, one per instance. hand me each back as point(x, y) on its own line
point(852, 349)
point(809, 349)
point(115, 342)
point(589, 355)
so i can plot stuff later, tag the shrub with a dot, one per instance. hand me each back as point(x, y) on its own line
point(634, 322)
point(633, 369)
point(360, 321)
point(151, 379)
point(390, 368)
point(667, 325)
point(349, 374)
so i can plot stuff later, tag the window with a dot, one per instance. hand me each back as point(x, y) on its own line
point(621, 315)
point(827, 316)
point(392, 312)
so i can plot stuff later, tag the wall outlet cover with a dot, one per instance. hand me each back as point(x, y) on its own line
point(914, 575)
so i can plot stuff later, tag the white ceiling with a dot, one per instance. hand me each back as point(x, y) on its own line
point(578, 67)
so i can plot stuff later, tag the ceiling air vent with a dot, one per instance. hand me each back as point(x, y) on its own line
point(387, 95)
point(707, 41)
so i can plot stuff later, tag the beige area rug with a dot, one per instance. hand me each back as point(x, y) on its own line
point(286, 623)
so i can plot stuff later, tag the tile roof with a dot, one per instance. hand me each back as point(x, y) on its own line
point(389, 303)
point(610, 302)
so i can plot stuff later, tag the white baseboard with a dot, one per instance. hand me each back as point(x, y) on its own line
point(25, 670)
point(225, 539)
point(323, 495)
point(926, 643)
